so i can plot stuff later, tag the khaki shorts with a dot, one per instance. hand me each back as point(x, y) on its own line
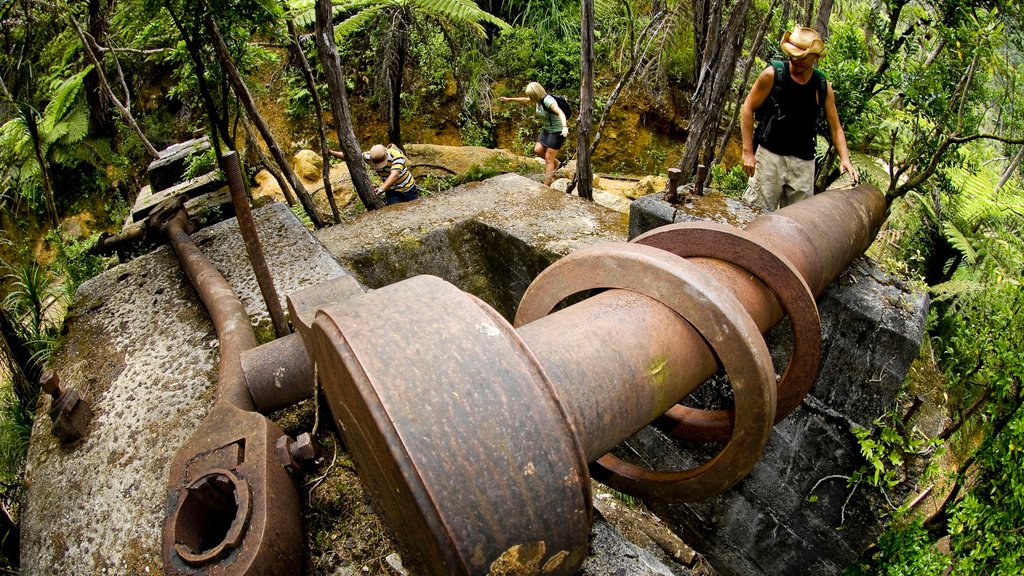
point(779, 180)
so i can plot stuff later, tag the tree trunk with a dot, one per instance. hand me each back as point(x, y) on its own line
point(339, 103)
point(584, 170)
point(250, 137)
point(90, 48)
point(713, 84)
point(821, 22)
point(25, 371)
point(639, 51)
point(245, 98)
point(29, 116)
point(1010, 169)
point(218, 123)
point(741, 90)
point(318, 109)
point(99, 11)
point(395, 78)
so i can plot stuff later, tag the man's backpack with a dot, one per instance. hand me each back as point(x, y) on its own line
point(563, 105)
point(770, 108)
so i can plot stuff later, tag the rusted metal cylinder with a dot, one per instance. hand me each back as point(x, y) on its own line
point(278, 374)
point(460, 438)
point(457, 393)
point(605, 361)
point(246, 224)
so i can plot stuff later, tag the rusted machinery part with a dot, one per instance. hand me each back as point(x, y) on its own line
point(253, 247)
point(455, 432)
point(149, 229)
point(278, 374)
point(729, 244)
point(719, 318)
point(232, 508)
point(230, 320)
point(822, 234)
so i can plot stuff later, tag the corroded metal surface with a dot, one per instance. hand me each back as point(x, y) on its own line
point(278, 374)
point(719, 318)
point(232, 508)
point(69, 413)
point(430, 385)
point(247, 226)
point(727, 244)
point(457, 434)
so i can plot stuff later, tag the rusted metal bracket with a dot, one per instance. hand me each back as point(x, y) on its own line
point(69, 413)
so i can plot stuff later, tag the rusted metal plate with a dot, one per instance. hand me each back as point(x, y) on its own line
point(728, 244)
point(719, 318)
point(455, 431)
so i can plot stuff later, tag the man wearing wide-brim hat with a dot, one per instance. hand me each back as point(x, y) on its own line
point(390, 164)
point(781, 171)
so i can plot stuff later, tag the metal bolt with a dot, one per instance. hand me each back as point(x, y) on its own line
point(68, 411)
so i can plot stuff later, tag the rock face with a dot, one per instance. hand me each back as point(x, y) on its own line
point(784, 518)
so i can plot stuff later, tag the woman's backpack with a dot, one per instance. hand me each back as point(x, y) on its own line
point(563, 105)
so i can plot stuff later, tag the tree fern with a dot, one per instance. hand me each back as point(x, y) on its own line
point(64, 97)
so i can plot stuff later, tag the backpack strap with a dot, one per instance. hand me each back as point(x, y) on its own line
point(780, 70)
point(822, 87)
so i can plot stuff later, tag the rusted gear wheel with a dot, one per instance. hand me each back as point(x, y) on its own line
point(729, 244)
point(720, 319)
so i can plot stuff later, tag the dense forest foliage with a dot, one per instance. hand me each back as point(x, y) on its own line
point(926, 91)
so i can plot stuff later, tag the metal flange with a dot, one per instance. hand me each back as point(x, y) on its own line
point(719, 318)
point(729, 244)
point(455, 430)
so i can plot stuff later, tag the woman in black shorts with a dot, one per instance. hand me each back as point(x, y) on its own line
point(552, 133)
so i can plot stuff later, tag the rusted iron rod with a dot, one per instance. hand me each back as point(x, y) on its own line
point(253, 247)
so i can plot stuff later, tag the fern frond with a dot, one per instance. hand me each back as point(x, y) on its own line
point(356, 22)
point(961, 242)
point(302, 12)
point(465, 12)
point(64, 97)
point(955, 288)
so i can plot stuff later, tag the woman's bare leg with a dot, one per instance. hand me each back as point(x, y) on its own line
point(550, 161)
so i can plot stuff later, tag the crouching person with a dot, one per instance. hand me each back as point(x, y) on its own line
point(390, 164)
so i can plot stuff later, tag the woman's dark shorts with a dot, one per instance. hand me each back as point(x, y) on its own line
point(550, 139)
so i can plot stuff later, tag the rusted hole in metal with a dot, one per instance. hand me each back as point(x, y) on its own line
point(211, 517)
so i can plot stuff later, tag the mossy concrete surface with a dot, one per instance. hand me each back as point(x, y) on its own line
point(489, 238)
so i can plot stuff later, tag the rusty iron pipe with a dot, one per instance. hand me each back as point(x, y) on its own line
point(516, 414)
point(606, 385)
point(231, 506)
point(253, 247)
point(278, 374)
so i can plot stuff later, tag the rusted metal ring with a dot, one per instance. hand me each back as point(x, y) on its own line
point(729, 244)
point(212, 517)
point(720, 319)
